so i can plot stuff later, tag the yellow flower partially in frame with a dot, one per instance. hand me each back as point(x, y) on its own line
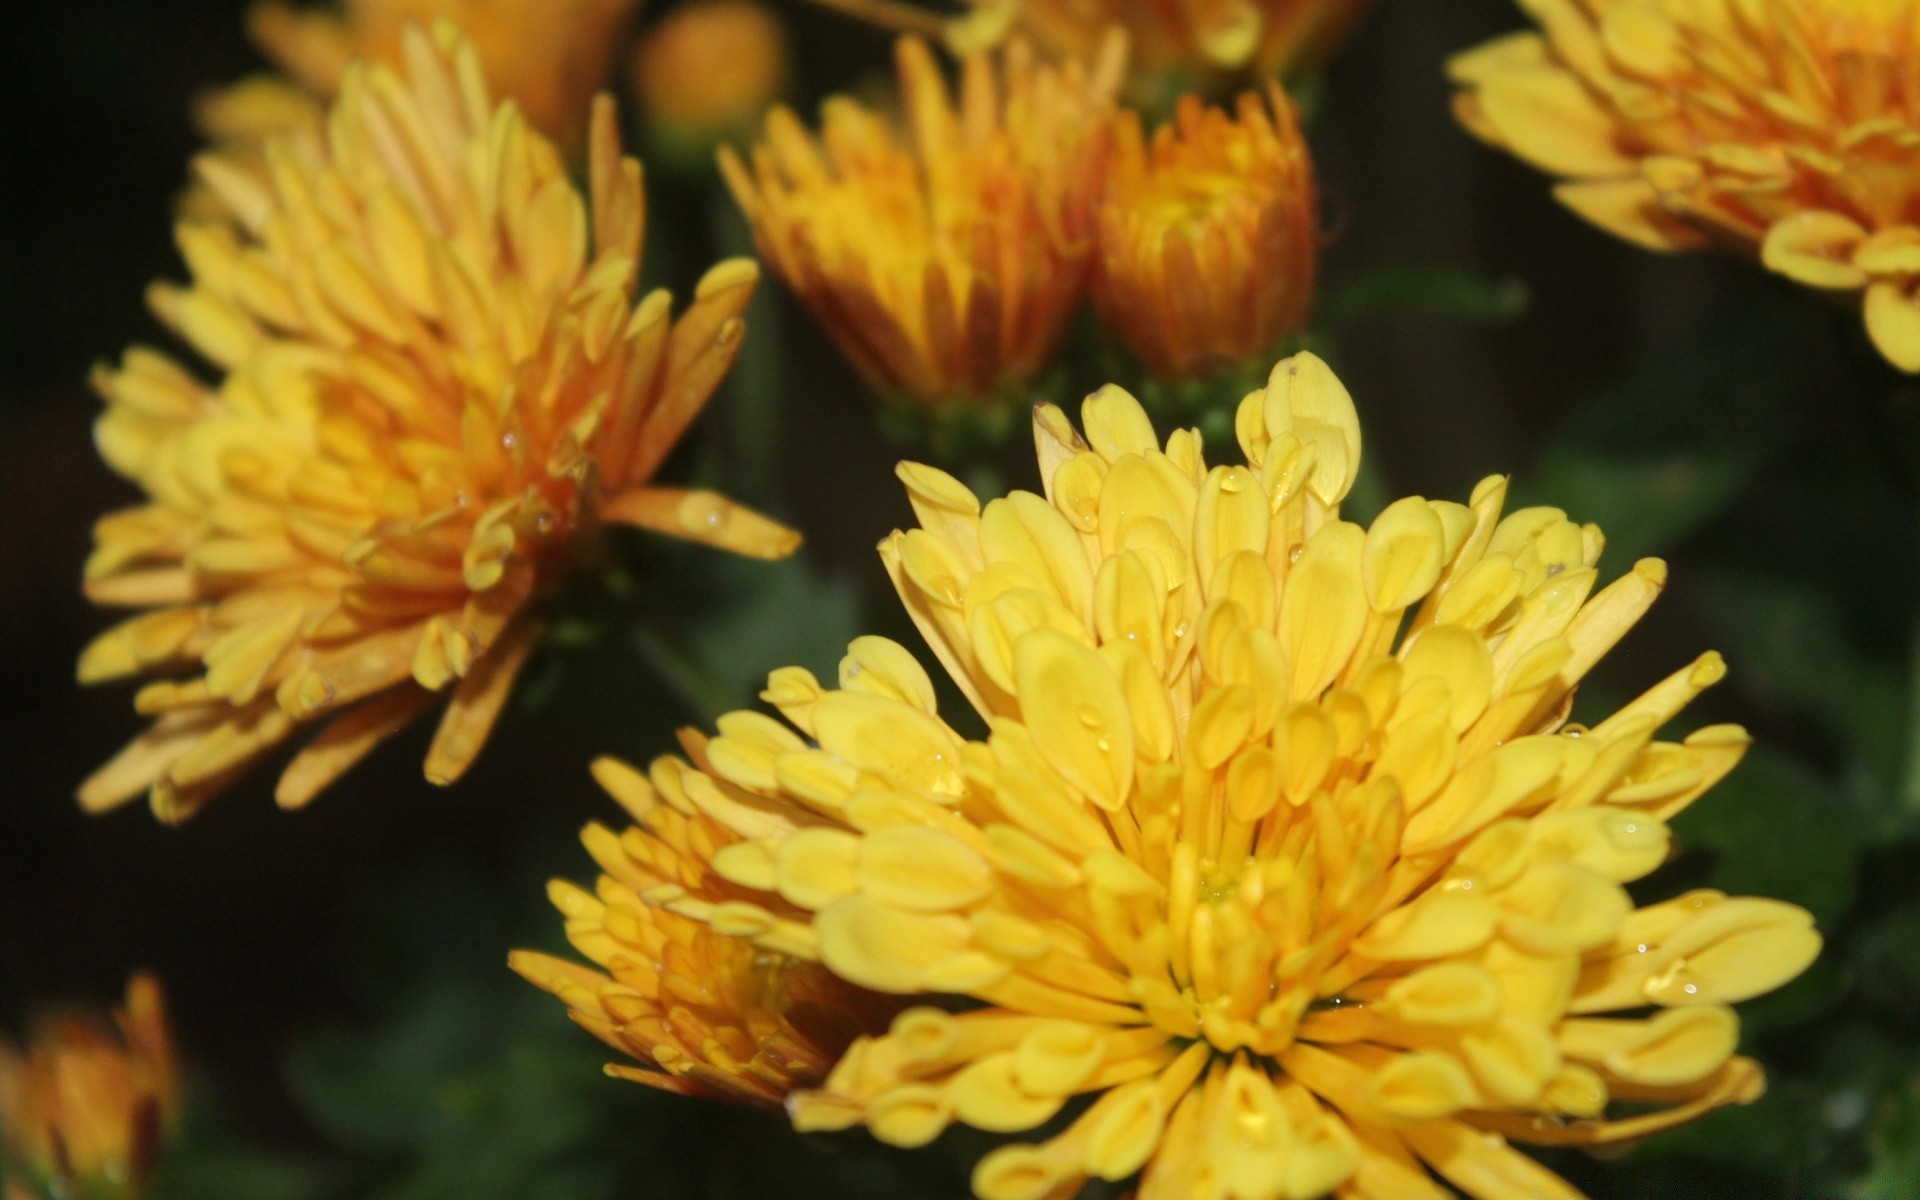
point(1207, 235)
point(1279, 852)
point(1213, 46)
point(704, 1013)
point(945, 259)
point(435, 381)
point(1781, 128)
point(84, 1107)
point(548, 56)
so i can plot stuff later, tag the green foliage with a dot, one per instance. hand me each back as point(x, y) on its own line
point(1455, 293)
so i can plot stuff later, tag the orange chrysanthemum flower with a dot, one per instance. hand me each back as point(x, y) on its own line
point(1279, 855)
point(548, 56)
point(708, 71)
point(1207, 234)
point(946, 269)
point(1785, 128)
point(707, 1013)
point(435, 378)
point(83, 1109)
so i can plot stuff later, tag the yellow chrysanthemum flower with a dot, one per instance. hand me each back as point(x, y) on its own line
point(1215, 46)
point(708, 71)
point(946, 269)
point(1278, 850)
point(707, 1013)
point(83, 1108)
point(548, 56)
point(1785, 128)
point(1207, 235)
point(435, 379)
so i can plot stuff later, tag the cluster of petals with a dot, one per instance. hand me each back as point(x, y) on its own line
point(1207, 234)
point(1278, 860)
point(1786, 128)
point(434, 379)
point(707, 1014)
point(945, 258)
point(548, 56)
point(84, 1106)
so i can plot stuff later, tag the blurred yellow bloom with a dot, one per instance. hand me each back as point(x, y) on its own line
point(947, 268)
point(548, 56)
point(1279, 849)
point(435, 380)
point(1207, 234)
point(1786, 128)
point(709, 70)
point(1214, 46)
point(83, 1108)
point(708, 1014)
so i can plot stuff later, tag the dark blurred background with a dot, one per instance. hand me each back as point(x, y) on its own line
point(259, 920)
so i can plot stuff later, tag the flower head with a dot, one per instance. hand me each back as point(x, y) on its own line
point(1278, 849)
point(707, 1013)
point(549, 57)
point(947, 268)
point(435, 379)
point(83, 1108)
point(1780, 127)
point(1206, 235)
point(708, 71)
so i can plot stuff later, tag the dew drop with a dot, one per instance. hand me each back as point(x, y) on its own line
point(1294, 554)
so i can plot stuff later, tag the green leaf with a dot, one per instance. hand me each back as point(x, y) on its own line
point(1788, 643)
point(1657, 456)
point(1778, 828)
point(1895, 1149)
point(1457, 293)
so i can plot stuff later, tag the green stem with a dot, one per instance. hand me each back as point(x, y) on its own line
point(683, 674)
point(754, 392)
point(1910, 786)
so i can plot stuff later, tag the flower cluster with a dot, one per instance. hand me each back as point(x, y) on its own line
point(946, 269)
point(436, 379)
point(1207, 235)
point(84, 1107)
point(1784, 128)
point(1279, 848)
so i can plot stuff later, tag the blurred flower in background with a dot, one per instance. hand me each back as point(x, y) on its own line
point(1213, 47)
point(707, 73)
point(548, 56)
point(436, 382)
point(707, 1013)
point(1302, 903)
point(945, 257)
point(84, 1107)
point(1206, 235)
point(1786, 129)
